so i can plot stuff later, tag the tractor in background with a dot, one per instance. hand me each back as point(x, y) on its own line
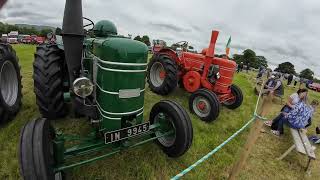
point(208, 78)
point(101, 78)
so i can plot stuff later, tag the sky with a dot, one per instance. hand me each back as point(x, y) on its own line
point(280, 30)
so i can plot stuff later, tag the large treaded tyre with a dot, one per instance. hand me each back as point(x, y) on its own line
point(48, 75)
point(177, 119)
point(162, 74)
point(36, 156)
point(205, 104)
point(10, 83)
point(236, 91)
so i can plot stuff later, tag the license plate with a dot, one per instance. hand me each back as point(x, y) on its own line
point(125, 133)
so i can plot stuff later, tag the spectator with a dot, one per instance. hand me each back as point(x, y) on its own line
point(273, 85)
point(296, 80)
point(298, 118)
point(260, 73)
point(248, 67)
point(300, 95)
point(290, 78)
point(240, 67)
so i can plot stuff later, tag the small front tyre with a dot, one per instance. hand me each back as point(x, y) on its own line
point(36, 157)
point(205, 104)
point(171, 117)
point(237, 98)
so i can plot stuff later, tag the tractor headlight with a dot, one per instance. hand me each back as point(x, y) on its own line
point(82, 87)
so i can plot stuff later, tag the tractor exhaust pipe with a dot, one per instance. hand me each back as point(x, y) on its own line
point(72, 36)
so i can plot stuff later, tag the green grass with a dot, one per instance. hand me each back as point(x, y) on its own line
point(148, 161)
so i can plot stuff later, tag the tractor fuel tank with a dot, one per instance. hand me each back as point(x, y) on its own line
point(118, 69)
point(226, 70)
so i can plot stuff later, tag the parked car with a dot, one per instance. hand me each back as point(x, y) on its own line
point(13, 37)
point(314, 86)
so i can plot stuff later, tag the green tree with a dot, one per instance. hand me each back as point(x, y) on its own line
point(307, 73)
point(44, 32)
point(58, 31)
point(262, 61)
point(286, 67)
point(145, 39)
point(249, 56)
point(137, 38)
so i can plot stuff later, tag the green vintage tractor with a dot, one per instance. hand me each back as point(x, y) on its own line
point(103, 79)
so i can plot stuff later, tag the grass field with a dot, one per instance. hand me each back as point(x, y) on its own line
point(148, 161)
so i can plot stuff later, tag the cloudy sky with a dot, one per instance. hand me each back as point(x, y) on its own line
point(280, 30)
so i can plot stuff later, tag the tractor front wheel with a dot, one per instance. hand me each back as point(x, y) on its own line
point(10, 83)
point(205, 104)
point(175, 130)
point(237, 100)
point(36, 156)
point(48, 75)
point(162, 74)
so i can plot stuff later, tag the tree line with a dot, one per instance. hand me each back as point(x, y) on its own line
point(249, 57)
point(7, 28)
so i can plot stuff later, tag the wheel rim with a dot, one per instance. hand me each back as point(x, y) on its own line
point(157, 74)
point(201, 106)
point(9, 83)
point(165, 126)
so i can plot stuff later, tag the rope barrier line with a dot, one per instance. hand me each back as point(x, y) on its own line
point(216, 149)
point(178, 176)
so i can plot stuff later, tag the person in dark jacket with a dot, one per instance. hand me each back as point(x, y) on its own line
point(290, 78)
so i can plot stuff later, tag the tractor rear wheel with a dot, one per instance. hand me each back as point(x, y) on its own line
point(162, 74)
point(237, 100)
point(172, 118)
point(48, 75)
point(205, 104)
point(10, 83)
point(36, 156)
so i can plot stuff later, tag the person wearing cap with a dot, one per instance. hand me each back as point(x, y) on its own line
point(274, 85)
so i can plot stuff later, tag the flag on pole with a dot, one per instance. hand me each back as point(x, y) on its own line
point(228, 46)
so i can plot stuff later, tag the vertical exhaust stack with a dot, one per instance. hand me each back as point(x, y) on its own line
point(72, 36)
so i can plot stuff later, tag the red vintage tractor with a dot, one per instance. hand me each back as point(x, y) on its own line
point(207, 77)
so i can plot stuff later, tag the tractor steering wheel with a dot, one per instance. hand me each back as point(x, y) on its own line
point(91, 23)
point(183, 44)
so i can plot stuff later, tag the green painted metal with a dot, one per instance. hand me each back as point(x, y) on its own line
point(66, 96)
point(115, 151)
point(120, 65)
point(104, 28)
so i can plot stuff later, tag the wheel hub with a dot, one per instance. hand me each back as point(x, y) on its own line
point(157, 74)
point(201, 106)
point(9, 83)
point(165, 126)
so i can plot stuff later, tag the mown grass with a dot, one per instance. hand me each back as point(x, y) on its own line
point(148, 161)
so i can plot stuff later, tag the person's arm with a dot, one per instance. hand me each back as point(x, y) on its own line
point(276, 86)
point(289, 103)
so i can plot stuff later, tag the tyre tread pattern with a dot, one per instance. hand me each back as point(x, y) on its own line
point(48, 81)
point(171, 79)
point(8, 113)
